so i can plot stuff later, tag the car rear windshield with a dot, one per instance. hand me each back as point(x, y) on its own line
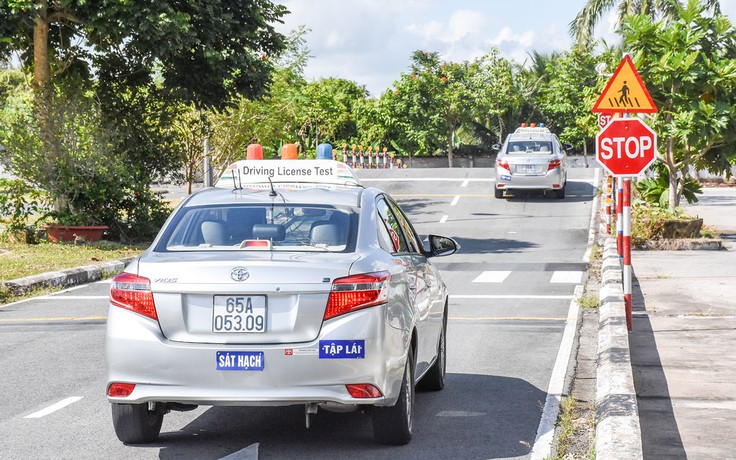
point(285, 228)
point(527, 147)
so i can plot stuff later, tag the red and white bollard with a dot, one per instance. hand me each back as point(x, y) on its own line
point(619, 217)
point(626, 237)
point(609, 202)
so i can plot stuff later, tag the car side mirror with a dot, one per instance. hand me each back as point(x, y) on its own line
point(441, 246)
point(496, 147)
point(567, 147)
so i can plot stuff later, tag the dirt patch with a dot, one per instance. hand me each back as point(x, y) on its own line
point(719, 182)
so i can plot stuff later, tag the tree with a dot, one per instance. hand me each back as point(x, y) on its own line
point(689, 64)
point(431, 103)
point(202, 51)
point(571, 88)
point(582, 27)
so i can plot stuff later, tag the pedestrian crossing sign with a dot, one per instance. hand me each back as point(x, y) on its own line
point(625, 92)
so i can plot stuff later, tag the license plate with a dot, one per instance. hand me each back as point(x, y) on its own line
point(240, 361)
point(528, 169)
point(239, 313)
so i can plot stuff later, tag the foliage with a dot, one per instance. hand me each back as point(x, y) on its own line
point(648, 219)
point(654, 189)
point(18, 202)
point(105, 81)
point(690, 66)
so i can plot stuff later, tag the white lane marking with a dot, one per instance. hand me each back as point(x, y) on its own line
point(73, 297)
point(545, 433)
point(17, 302)
point(566, 277)
point(465, 183)
point(107, 281)
point(54, 407)
point(249, 453)
point(444, 219)
point(425, 179)
point(455, 200)
point(509, 296)
point(492, 277)
point(459, 413)
point(593, 213)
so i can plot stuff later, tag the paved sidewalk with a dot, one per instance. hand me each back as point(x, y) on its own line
point(683, 343)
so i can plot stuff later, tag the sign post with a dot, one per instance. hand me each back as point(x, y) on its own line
point(626, 147)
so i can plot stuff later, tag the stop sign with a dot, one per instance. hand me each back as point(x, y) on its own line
point(626, 146)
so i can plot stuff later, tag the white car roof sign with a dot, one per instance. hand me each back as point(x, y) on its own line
point(246, 172)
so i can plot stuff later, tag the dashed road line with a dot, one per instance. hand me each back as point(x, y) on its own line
point(444, 219)
point(567, 277)
point(492, 277)
point(54, 407)
point(455, 200)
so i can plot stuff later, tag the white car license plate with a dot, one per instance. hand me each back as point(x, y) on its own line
point(528, 169)
point(232, 313)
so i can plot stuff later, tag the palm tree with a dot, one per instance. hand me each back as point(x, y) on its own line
point(582, 27)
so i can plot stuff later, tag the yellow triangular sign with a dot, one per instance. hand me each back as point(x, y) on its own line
point(625, 92)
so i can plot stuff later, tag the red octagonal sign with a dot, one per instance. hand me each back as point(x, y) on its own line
point(626, 146)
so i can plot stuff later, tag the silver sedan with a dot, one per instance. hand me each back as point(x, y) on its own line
point(531, 158)
point(279, 292)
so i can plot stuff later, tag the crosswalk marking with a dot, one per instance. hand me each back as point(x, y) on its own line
point(492, 277)
point(566, 277)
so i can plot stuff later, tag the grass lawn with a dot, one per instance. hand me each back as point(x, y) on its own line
point(20, 260)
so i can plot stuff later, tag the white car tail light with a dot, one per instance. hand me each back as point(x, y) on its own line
point(133, 293)
point(356, 292)
point(553, 164)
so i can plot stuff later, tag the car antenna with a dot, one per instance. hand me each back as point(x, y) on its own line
point(273, 191)
point(240, 181)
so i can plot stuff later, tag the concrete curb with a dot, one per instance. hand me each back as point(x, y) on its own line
point(68, 277)
point(618, 434)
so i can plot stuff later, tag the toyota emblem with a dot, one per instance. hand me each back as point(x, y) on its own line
point(239, 274)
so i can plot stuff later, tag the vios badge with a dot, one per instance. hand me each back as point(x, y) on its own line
point(239, 274)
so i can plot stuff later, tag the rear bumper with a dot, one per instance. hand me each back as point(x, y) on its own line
point(552, 180)
point(166, 371)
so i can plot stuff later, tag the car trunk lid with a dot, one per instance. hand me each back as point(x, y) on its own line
point(222, 299)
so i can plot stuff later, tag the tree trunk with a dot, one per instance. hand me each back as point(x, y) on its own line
point(450, 138)
point(43, 94)
point(674, 195)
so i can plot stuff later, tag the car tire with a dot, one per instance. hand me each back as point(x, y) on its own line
point(135, 423)
point(498, 192)
point(393, 425)
point(434, 379)
point(560, 192)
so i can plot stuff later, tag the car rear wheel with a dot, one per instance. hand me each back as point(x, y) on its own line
point(560, 192)
point(434, 379)
point(498, 192)
point(136, 423)
point(393, 425)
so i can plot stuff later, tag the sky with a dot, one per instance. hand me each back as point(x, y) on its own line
point(371, 41)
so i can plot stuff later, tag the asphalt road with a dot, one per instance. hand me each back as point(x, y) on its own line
point(511, 286)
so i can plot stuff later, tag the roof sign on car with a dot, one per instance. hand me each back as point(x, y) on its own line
point(247, 172)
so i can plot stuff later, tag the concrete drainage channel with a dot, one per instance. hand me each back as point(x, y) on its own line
point(618, 433)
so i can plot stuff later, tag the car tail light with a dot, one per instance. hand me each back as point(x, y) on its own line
point(357, 292)
point(133, 293)
point(503, 164)
point(120, 390)
point(553, 164)
point(363, 390)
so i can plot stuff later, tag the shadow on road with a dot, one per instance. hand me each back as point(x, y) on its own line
point(499, 421)
point(659, 432)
